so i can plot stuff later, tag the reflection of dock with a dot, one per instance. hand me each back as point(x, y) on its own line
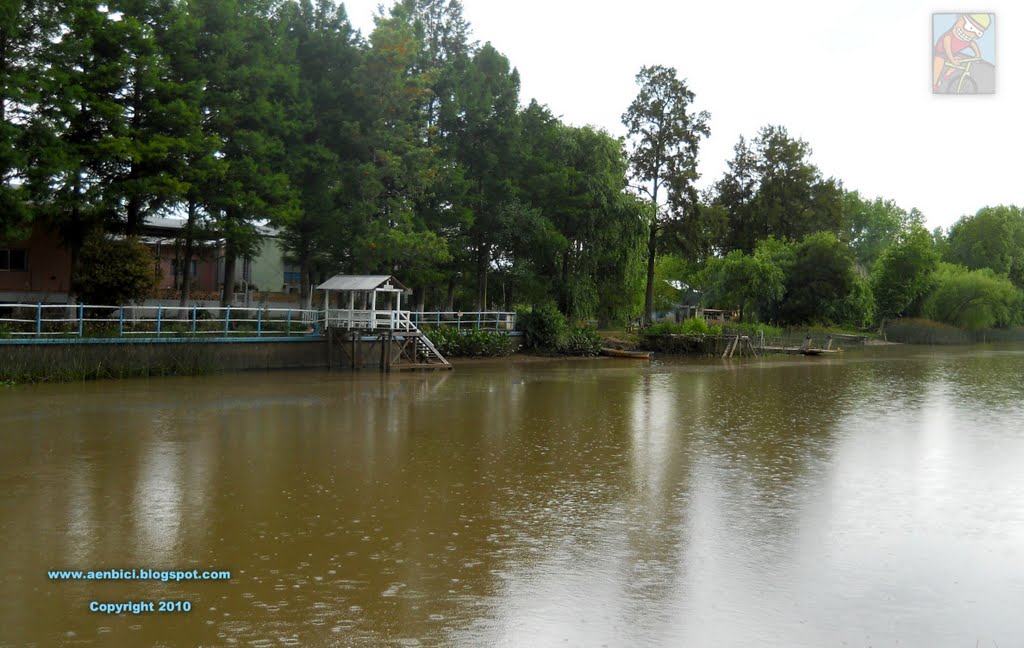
point(804, 349)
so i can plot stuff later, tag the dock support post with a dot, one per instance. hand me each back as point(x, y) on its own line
point(81, 319)
point(330, 349)
point(120, 323)
point(39, 318)
point(159, 317)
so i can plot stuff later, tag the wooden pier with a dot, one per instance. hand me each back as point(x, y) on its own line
point(804, 349)
point(388, 350)
point(373, 330)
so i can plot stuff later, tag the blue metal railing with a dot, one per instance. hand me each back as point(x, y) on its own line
point(86, 320)
point(20, 321)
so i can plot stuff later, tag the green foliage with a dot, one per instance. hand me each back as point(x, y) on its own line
point(924, 331)
point(665, 134)
point(668, 270)
point(24, 26)
point(993, 238)
point(543, 327)
point(973, 299)
point(581, 341)
point(772, 189)
point(903, 273)
point(407, 151)
point(753, 329)
point(114, 271)
point(820, 282)
point(752, 282)
point(857, 308)
point(692, 326)
point(453, 342)
point(873, 226)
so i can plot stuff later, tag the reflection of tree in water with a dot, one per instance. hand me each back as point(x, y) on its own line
point(772, 427)
point(987, 376)
point(557, 492)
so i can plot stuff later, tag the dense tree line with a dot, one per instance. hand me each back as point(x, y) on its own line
point(409, 151)
point(403, 151)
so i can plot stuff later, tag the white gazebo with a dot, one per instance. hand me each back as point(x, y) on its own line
point(368, 302)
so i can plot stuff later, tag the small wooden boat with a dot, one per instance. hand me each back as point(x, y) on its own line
point(622, 353)
point(814, 352)
point(808, 350)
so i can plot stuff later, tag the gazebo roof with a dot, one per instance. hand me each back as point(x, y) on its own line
point(361, 282)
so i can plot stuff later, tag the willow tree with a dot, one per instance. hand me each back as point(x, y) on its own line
point(665, 135)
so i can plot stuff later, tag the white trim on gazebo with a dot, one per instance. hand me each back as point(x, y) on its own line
point(365, 288)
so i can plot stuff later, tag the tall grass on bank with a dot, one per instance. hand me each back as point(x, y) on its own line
point(56, 364)
point(923, 331)
point(692, 326)
point(695, 337)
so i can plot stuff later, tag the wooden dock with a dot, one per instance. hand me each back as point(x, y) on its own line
point(804, 349)
point(374, 325)
point(390, 350)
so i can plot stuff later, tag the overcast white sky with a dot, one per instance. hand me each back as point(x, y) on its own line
point(851, 78)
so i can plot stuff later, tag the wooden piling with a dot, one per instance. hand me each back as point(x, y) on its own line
point(330, 349)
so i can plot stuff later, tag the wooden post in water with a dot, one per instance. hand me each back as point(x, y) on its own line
point(330, 349)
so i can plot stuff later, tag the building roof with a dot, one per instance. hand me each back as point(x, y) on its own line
point(361, 282)
point(160, 225)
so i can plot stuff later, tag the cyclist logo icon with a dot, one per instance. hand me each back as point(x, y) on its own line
point(963, 53)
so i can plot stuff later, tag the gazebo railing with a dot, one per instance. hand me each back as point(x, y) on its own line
point(354, 318)
point(402, 320)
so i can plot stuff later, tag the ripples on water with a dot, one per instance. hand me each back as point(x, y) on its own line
point(865, 500)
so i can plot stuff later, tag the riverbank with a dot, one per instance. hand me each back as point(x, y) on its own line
point(928, 332)
point(73, 361)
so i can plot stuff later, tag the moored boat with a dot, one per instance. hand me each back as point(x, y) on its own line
point(622, 353)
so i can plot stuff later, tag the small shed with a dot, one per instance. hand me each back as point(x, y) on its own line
point(364, 302)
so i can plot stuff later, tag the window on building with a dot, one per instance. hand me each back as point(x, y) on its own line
point(13, 260)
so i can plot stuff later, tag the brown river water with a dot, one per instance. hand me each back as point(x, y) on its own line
point(871, 499)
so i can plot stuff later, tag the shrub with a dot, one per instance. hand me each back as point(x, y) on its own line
point(583, 341)
point(692, 326)
point(753, 329)
point(972, 299)
point(114, 271)
point(543, 327)
point(470, 342)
